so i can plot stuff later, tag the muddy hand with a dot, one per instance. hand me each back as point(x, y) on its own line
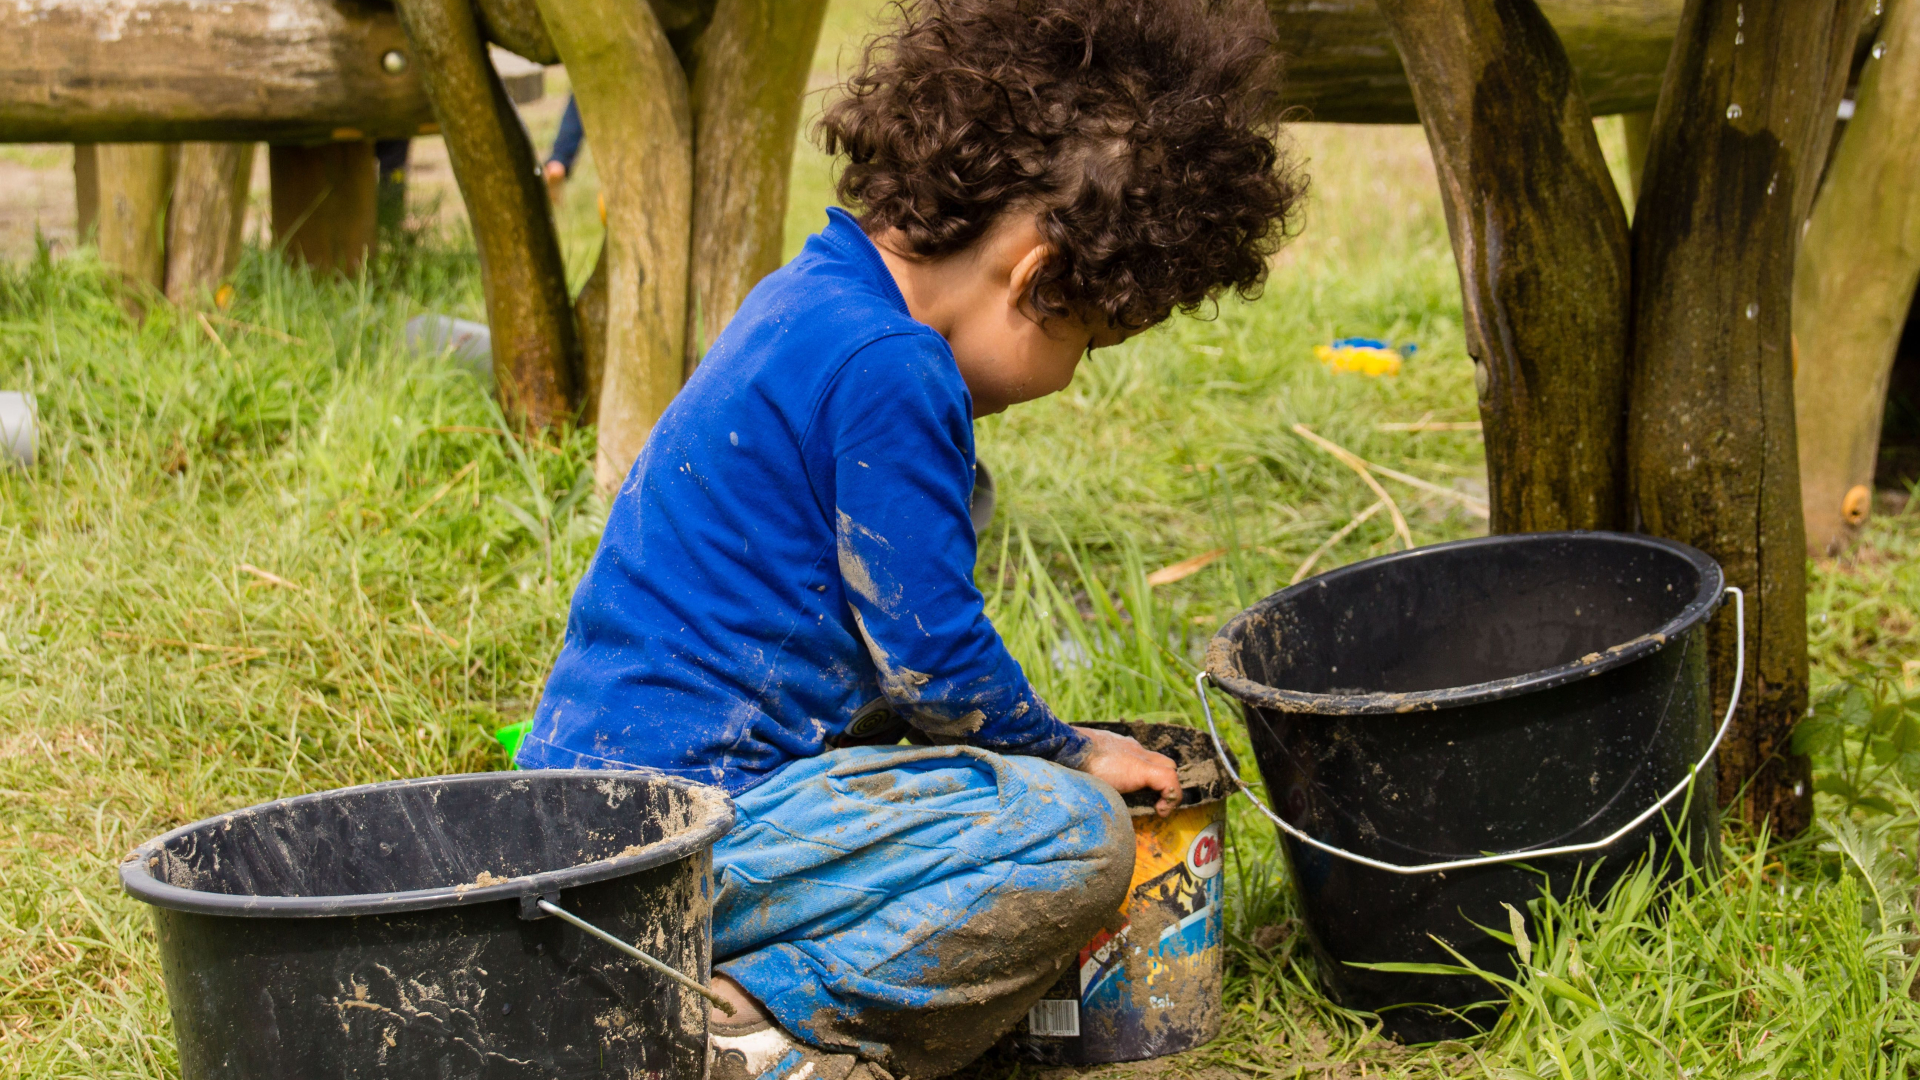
point(1130, 767)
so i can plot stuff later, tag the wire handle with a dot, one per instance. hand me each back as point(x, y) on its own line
point(687, 981)
point(1739, 672)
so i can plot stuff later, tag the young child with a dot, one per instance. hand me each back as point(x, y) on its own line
point(785, 587)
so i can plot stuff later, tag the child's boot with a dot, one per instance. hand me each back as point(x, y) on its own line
point(762, 1050)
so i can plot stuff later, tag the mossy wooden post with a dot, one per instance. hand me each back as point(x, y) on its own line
point(135, 184)
point(1853, 284)
point(535, 346)
point(1738, 138)
point(632, 93)
point(590, 315)
point(209, 212)
point(750, 78)
point(1541, 242)
point(325, 203)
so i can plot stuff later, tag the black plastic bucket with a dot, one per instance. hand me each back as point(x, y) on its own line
point(1500, 696)
point(394, 929)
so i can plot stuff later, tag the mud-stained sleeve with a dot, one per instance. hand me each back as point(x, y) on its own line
point(901, 429)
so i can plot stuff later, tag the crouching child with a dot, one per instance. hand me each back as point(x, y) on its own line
point(785, 587)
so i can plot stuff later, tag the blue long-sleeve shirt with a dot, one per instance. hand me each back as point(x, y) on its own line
point(790, 562)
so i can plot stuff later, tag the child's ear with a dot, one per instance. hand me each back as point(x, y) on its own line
point(1025, 272)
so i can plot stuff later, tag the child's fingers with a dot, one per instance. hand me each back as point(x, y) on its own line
point(1167, 781)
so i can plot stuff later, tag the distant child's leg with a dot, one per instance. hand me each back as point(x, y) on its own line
point(911, 905)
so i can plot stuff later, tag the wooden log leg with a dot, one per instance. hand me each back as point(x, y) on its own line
point(1852, 285)
point(535, 350)
point(1541, 242)
point(633, 100)
point(1738, 140)
point(750, 81)
point(209, 213)
point(590, 314)
point(86, 192)
point(135, 183)
point(324, 204)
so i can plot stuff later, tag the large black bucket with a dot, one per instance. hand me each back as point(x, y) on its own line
point(1438, 728)
point(396, 929)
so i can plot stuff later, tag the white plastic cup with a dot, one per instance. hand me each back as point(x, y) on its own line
point(18, 427)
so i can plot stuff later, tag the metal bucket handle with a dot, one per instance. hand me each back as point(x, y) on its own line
point(1739, 671)
point(541, 903)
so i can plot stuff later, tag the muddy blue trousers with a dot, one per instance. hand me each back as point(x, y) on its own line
point(911, 904)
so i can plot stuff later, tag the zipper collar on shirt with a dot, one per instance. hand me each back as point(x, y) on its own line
point(845, 234)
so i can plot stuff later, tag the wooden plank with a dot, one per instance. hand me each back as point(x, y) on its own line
point(323, 200)
point(135, 182)
point(1342, 66)
point(208, 213)
point(86, 190)
point(308, 71)
point(287, 71)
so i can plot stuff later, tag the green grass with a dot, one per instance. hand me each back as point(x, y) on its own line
point(283, 561)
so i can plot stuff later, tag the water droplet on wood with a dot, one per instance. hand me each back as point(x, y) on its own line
point(1879, 49)
point(1753, 311)
point(1733, 112)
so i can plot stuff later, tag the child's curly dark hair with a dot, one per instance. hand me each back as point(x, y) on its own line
point(1140, 133)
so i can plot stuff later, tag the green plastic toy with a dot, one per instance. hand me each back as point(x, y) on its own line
point(510, 737)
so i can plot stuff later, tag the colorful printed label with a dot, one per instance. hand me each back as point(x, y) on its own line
point(1153, 987)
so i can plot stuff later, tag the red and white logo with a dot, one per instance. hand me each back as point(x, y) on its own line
point(1206, 855)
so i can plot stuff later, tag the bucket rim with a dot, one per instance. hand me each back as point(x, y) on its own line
point(714, 815)
point(1222, 664)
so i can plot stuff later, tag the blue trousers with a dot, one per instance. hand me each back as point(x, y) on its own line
point(910, 904)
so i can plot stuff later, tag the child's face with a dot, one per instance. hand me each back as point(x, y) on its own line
point(977, 300)
point(1007, 355)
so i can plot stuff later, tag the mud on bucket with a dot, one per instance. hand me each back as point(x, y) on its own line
point(1440, 727)
point(450, 926)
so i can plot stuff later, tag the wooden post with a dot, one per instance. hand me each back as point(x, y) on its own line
point(324, 203)
point(749, 81)
point(1738, 139)
point(86, 192)
point(535, 350)
point(209, 212)
point(1853, 283)
point(1541, 242)
point(135, 184)
point(632, 93)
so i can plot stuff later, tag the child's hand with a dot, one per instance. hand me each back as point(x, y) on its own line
point(1130, 767)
